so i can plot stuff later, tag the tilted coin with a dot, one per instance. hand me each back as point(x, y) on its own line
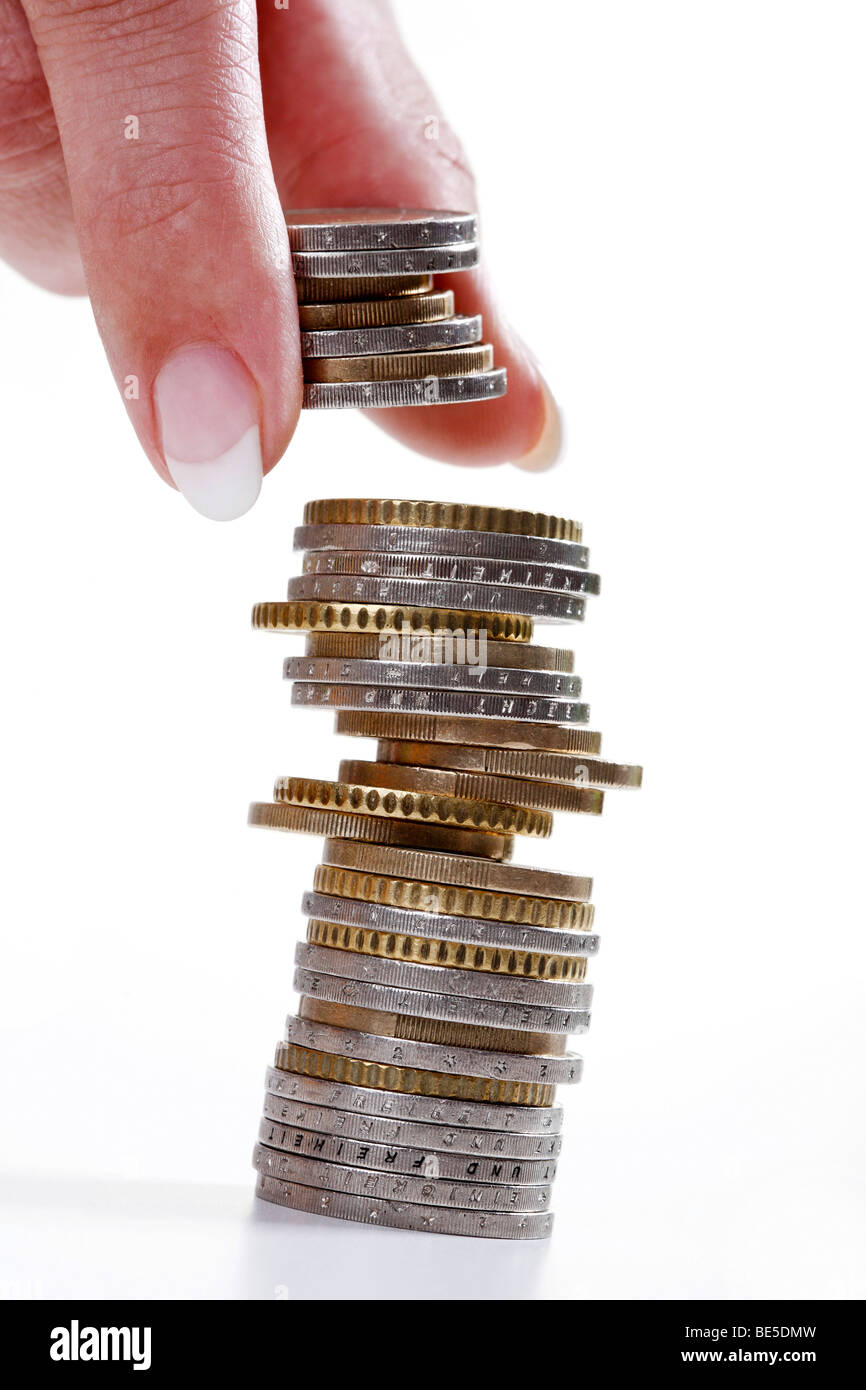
point(385, 395)
point(456, 569)
point(332, 289)
point(381, 1129)
point(443, 540)
point(420, 896)
point(401, 366)
point(397, 338)
point(371, 229)
point(370, 800)
point(403, 703)
point(549, 796)
point(400, 1158)
point(456, 954)
point(350, 1024)
point(491, 598)
point(460, 870)
point(459, 516)
point(309, 820)
point(413, 260)
point(402, 674)
point(511, 762)
point(377, 618)
point(413, 727)
point(407, 1216)
point(432, 648)
point(409, 1081)
point(349, 315)
point(351, 912)
point(456, 1114)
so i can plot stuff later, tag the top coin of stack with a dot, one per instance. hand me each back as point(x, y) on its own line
point(374, 330)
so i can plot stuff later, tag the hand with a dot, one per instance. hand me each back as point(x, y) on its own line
point(147, 148)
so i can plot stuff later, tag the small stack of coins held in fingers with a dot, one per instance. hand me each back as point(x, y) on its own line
point(374, 331)
point(438, 981)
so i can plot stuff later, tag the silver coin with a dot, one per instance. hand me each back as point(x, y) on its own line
point(442, 979)
point(428, 593)
point(452, 569)
point(430, 390)
point(364, 1182)
point(539, 1069)
point(439, 540)
point(380, 1129)
point(438, 926)
point(485, 1013)
point(459, 331)
point(371, 229)
point(463, 870)
point(409, 260)
point(400, 674)
point(453, 702)
point(407, 1216)
point(399, 1158)
point(435, 1110)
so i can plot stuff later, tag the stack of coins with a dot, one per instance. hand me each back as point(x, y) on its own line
point(374, 331)
point(439, 981)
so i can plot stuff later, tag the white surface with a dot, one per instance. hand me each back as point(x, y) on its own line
point(708, 347)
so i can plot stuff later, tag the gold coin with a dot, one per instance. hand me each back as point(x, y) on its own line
point(410, 1081)
point(420, 896)
point(457, 955)
point(378, 313)
point(367, 617)
point(400, 366)
point(431, 1030)
point(459, 869)
point(309, 820)
point(442, 728)
point(317, 290)
point(511, 762)
point(544, 796)
point(453, 516)
point(367, 646)
point(366, 799)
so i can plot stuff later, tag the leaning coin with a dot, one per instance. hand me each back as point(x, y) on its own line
point(491, 598)
point(309, 820)
point(349, 913)
point(457, 1114)
point(382, 395)
point(462, 703)
point(378, 618)
point(348, 1019)
point(401, 338)
point(511, 762)
point(414, 727)
point(324, 290)
point(460, 516)
point(460, 870)
point(429, 648)
point(371, 229)
point(338, 1177)
point(443, 540)
point(400, 366)
point(427, 307)
point(454, 569)
point(370, 800)
point(402, 674)
point(515, 791)
point(400, 1158)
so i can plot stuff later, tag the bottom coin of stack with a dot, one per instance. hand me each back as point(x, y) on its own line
point(439, 981)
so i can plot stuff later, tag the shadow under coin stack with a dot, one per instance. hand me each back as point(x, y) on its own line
point(374, 331)
point(438, 981)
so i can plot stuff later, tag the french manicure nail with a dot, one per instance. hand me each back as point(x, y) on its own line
point(549, 446)
point(208, 412)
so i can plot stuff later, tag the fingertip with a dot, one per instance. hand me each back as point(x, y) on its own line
point(550, 445)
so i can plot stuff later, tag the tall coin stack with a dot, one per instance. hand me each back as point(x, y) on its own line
point(374, 331)
point(438, 981)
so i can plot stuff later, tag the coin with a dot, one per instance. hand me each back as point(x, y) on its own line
point(402, 674)
point(350, 1027)
point(488, 598)
point(418, 896)
point(420, 703)
point(397, 338)
point(376, 618)
point(511, 762)
point(457, 954)
point(426, 648)
point(310, 820)
point(409, 1080)
point(370, 800)
point(457, 1114)
point(381, 395)
point(426, 307)
point(369, 229)
point(549, 796)
point(400, 366)
point(486, 732)
point(459, 870)
point(412, 260)
point(350, 912)
point(459, 516)
point(324, 290)
point(443, 540)
point(455, 569)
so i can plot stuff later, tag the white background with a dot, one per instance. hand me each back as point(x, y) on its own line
point(691, 179)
